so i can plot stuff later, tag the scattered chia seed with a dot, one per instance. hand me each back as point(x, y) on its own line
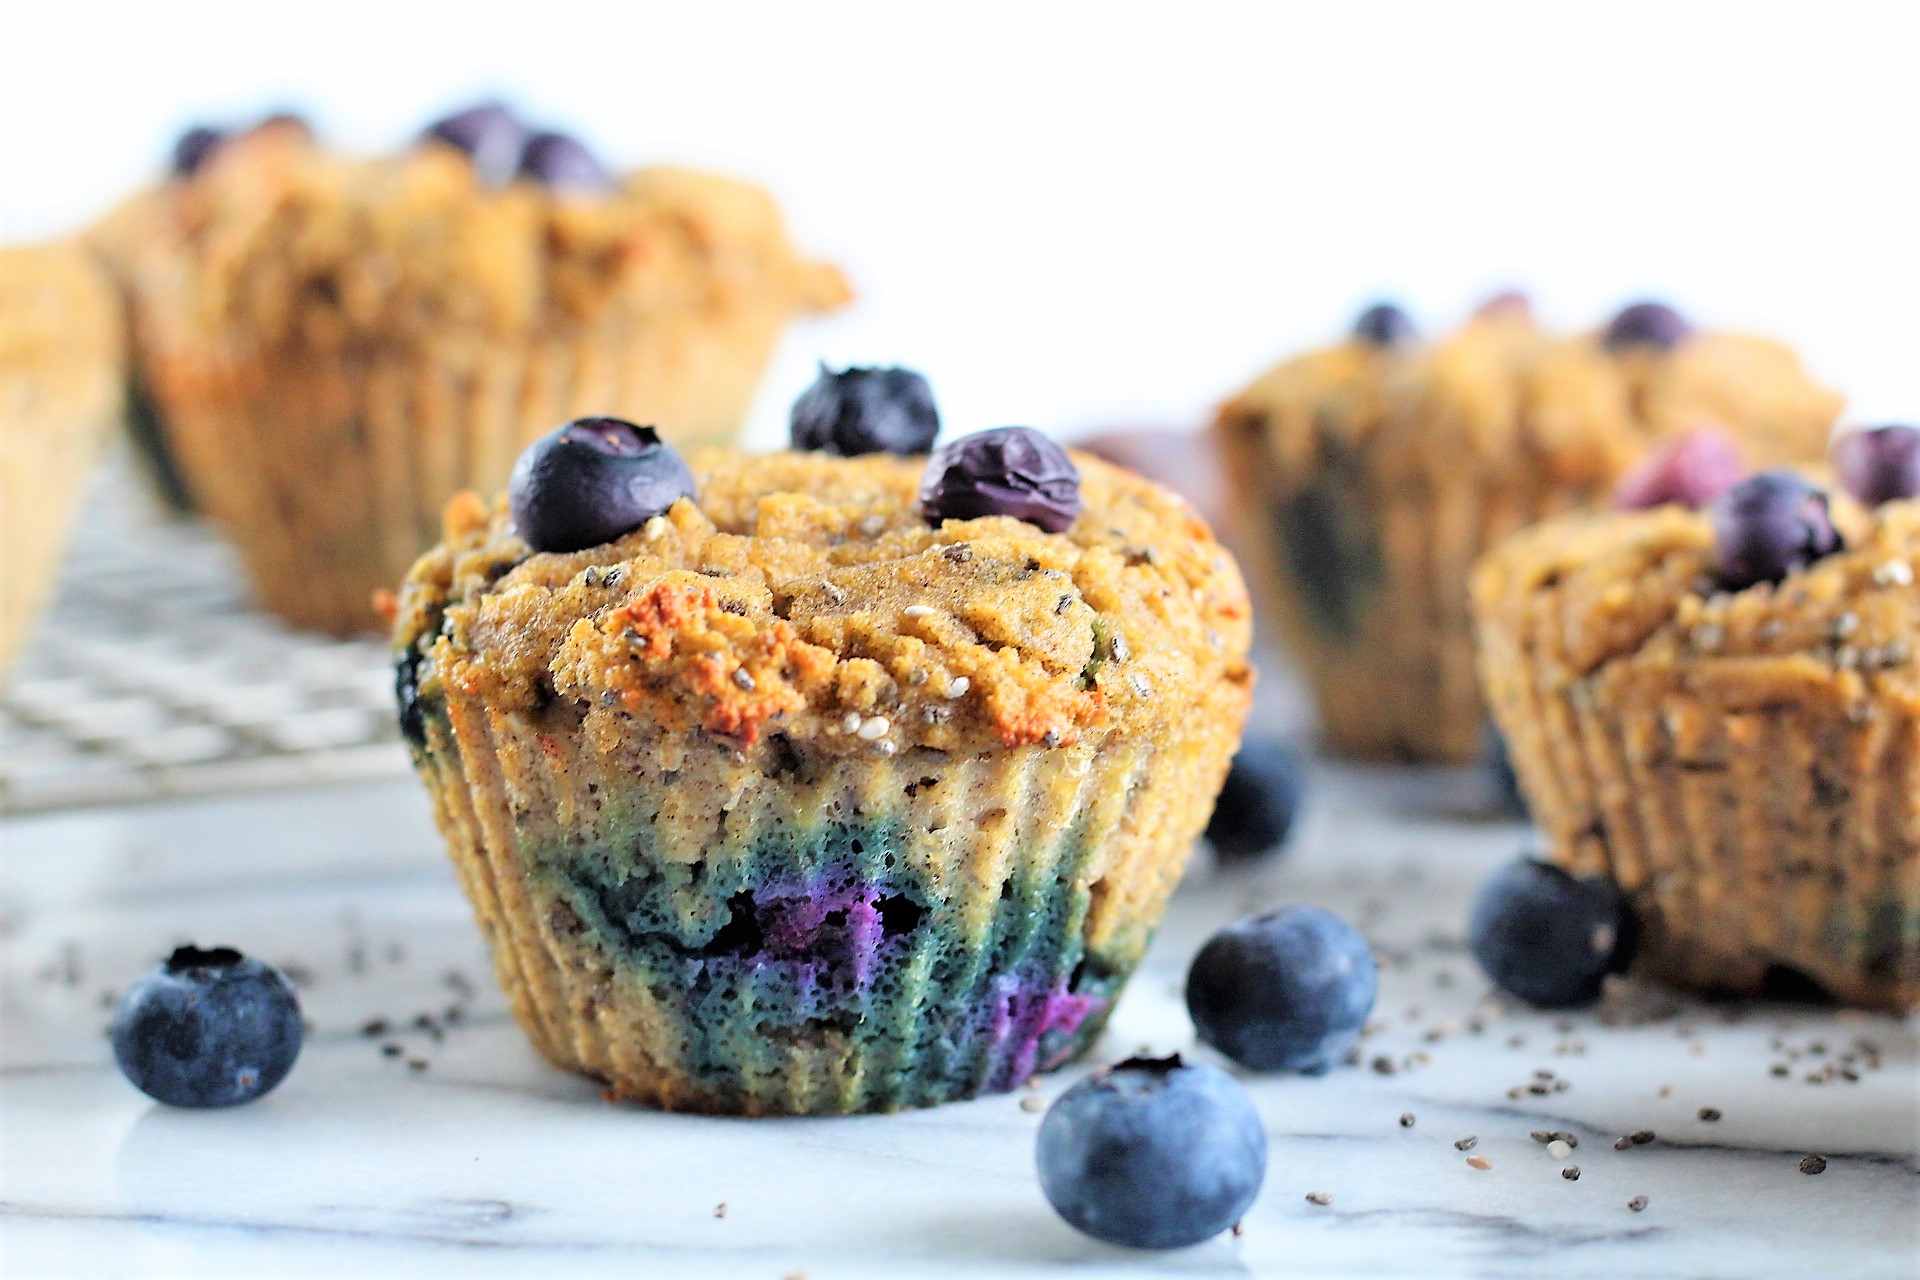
point(1559, 1150)
point(1406, 1120)
point(1479, 1162)
point(1813, 1164)
point(1541, 1136)
point(1033, 1103)
point(1640, 1137)
point(1467, 1143)
point(1571, 1173)
point(1562, 1135)
point(743, 678)
point(374, 1028)
point(391, 1050)
point(416, 1064)
point(1780, 1069)
point(1709, 1114)
point(1637, 1203)
point(1384, 1065)
point(720, 1210)
point(1666, 1091)
point(1319, 1198)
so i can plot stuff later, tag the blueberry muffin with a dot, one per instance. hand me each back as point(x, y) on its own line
point(1369, 476)
point(335, 346)
point(60, 394)
point(810, 783)
point(1721, 711)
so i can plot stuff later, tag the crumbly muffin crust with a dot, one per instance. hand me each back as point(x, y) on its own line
point(1746, 763)
point(807, 589)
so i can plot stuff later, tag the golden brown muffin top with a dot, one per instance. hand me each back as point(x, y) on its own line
point(414, 243)
point(1639, 586)
point(803, 593)
point(1500, 388)
point(56, 309)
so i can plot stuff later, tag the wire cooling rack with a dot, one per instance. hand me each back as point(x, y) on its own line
point(152, 675)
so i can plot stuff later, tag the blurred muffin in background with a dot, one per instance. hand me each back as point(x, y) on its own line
point(1367, 477)
point(333, 347)
point(60, 393)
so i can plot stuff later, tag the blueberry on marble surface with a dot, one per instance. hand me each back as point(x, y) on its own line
point(1384, 325)
point(1286, 990)
point(1153, 1153)
point(1690, 470)
point(207, 1028)
point(194, 148)
point(857, 411)
point(563, 163)
point(1646, 324)
point(591, 481)
point(1879, 464)
point(1007, 471)
point(1258, 801)
point(488, 135)
point(1768, 526)
point(1548, 937)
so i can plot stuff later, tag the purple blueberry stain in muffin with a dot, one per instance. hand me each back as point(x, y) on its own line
point(1006, 471)
point(1879, 464)
point(1768, 526)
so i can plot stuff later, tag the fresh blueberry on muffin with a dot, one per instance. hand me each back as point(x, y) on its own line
point(858, 411)
point(562, 163)
point(208, 1028)
point(489, 135)
point(193, 149)
point(1153, 1153)
point(1007, 471)
point(1768, 526)
point(1879, 464)
point(1384, 325)
point(1646, 324)
point(593, 480)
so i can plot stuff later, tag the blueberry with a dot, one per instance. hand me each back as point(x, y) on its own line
point(563, 163)
point(1384, 325)
point(194, 149)
point(1506, 783)
point(1153, 1153)
point(488, 135)
point(1646, 324)
point(1690, 470)
point(591, 481)
point(1008, 471)
point(1879, 464)
point(1288, 990)
point(1767, 526)
point(860, 411)
point(1548, 938)
point(1258, 802)
point(209, 1028)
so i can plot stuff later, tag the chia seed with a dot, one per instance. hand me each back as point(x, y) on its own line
point(1319, 1198)
point(1709, 1114)
point(1637, 1203)
point(1479, 1162)
point(1571, 1173)
point(1813, 1164)
point(1406, 1120)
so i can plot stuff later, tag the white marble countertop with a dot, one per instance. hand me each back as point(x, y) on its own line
point(483, 1161)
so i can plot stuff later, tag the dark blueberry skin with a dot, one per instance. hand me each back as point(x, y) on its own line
point(563, 163)
point(488, 135)
point(860, 411)
point(591, 481)
point(1384, 325)
point(1007, 471)
point(1287, 990)
point(1153, 1153)
point(208, 1028)
point(1646, 324)
point(194, 148)
point(1505, 782)
point(1768, 526)
point(1689, 470)
point(1879, 464)
point(1258, 802)
point(1548, 938)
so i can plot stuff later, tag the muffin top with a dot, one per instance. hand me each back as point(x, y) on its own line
point(1583, 592)
point(1579, 409)
point(287, 242)
point(805, 593)
point(59, 320)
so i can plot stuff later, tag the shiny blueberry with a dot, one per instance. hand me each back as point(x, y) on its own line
point(1007, 471)
point(1258, 802)
point(1287, 990)
point(1768, 526)
point(1384, 325)
point(860, 411)
point(194, 148)
point(591, 481)
point(1548, 938)
point(563, 163)
point(1500, 775)
point(486, 134)
point(1689, 470)
point(208, 1028)
point(1153, 1153)
point(1879, 464)
point(1647, 324)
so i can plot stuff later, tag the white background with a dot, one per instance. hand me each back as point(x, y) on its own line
point(1080, 216)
